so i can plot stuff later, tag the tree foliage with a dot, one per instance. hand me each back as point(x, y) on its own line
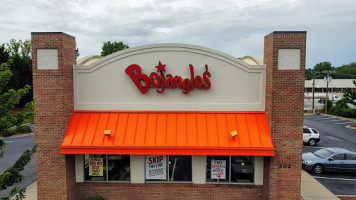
point(20, 64)
point(342, 72)
point(109, 48)
point(4, 54)
point(77, 53)
point(8, 100)
point(350, 96)
point(346, 71)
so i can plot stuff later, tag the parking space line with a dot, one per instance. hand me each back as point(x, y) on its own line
point(342, 179)
point(320, 118)
point(9, 142)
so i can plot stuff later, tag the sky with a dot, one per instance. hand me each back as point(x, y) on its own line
point(233, 27)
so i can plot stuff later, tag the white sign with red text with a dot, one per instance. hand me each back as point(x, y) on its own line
point(218, 169)
point(156, 167)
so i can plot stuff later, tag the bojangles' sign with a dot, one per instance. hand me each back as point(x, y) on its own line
point(143, 82)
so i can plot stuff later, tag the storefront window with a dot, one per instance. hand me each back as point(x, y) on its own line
point(230, 169)
point(180, 168)
point(218, 169)
point(119, 167)
point(242, 169)
point(95, 167)
point(107, 167)
point(174, 168)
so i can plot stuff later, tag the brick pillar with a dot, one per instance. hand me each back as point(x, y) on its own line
point(53, 56)
point(284, 56)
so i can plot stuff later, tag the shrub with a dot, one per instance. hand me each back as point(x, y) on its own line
point(23, 129)
point(349, 112)
point(344, 112)
point(342, 104)
point(7, 132)
point(330, 105)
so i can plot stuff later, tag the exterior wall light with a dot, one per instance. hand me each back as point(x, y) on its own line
point(234, 134)
point(107, 133)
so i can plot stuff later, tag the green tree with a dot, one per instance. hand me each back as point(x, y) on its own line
point(77, 53)
point(8, 100)
point(309, 74)
point(350, 95)
point(4, 54)
point(21, 66)
point(320, 69)
point(109, 48)
point(346, 71)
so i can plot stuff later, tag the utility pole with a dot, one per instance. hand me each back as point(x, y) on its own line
point(327, 89)
point(327, 72)
point(313, 92)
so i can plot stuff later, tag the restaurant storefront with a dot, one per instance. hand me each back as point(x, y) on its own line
point(168, 121)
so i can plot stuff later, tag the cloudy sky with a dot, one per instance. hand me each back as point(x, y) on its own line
point(234, 27)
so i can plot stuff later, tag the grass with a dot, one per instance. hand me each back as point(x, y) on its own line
point(353, 119)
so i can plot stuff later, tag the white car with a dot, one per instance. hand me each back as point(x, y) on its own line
point(311, 136)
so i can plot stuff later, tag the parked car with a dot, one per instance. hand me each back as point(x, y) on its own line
point(329, 159)
point(311, 136)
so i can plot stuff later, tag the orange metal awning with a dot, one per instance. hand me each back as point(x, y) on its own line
point(168, 133)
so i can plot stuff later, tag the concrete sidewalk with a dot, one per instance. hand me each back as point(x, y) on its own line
point(31, 192)
point(311, 190)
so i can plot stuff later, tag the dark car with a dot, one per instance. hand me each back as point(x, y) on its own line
point(329, 159)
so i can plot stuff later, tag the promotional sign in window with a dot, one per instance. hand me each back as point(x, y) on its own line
point(156, 167)
point(218, 169)
point(96, 166)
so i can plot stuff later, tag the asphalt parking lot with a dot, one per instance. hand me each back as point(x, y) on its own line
point(333, 133)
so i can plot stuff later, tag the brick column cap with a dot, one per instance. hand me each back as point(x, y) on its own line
point(283, 32)
point(42, 33)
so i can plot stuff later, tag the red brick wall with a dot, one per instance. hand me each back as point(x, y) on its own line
point(53, 91)
point(114, 191)
point(284, 108)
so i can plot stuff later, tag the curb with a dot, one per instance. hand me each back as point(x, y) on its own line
point(338, 117)
point(351, 126)
point(347, 197)
point(18, 135)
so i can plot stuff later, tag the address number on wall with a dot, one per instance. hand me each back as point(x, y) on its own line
point(285, 166)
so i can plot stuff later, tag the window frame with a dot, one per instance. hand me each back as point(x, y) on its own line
point(167, 168)
point(337, 154)
point(315, 131)
point(306, 131)
point(229, 182)
point(107, 171)
point(351, 154)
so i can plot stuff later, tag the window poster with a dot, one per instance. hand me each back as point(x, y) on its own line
point(156, 167)
point(218, 169)
point(96, 166)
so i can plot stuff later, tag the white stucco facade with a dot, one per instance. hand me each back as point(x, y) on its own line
point(235, 85)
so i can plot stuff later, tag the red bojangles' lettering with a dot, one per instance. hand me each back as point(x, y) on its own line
point(162, 81)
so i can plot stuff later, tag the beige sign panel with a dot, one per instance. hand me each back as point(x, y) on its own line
point(235, 85)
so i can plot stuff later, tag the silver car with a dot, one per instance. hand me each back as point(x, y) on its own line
point(329, 159)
